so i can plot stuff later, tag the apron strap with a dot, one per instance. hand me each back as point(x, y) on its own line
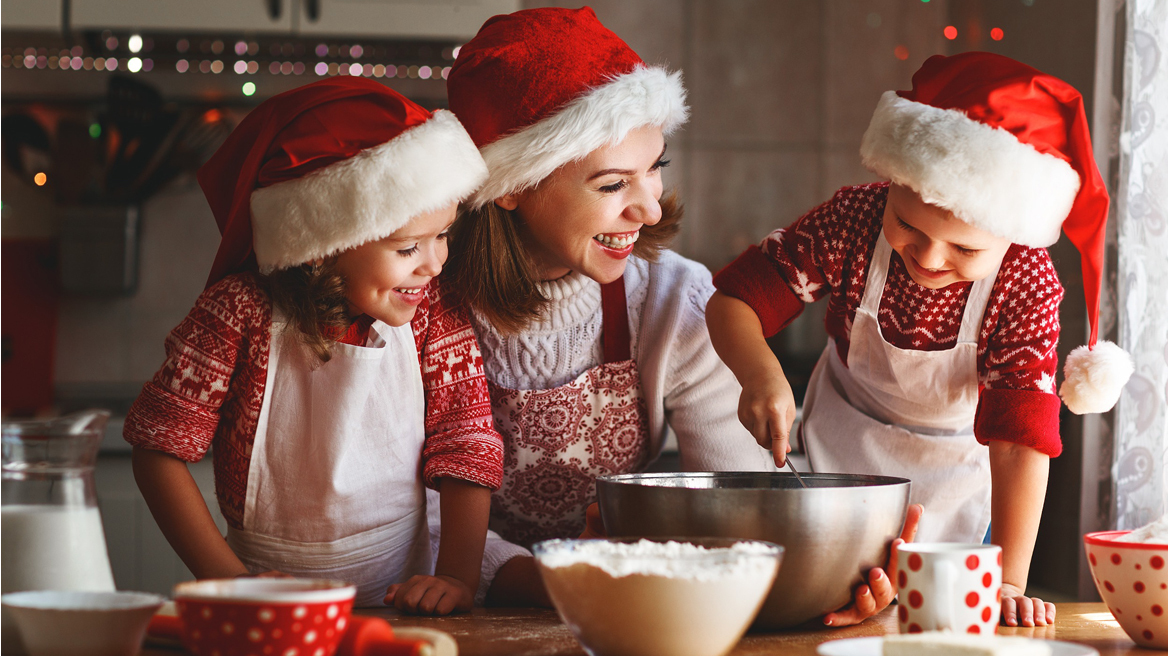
point(615, 330)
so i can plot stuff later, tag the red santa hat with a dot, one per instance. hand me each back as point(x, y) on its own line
point(1006, 149)
point(539, 88)
point(330, 166)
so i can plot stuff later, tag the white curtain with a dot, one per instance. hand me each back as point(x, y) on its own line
point(1140, 465)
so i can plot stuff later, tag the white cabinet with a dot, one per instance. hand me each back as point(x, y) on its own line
point(31, 15)
point(419, 19)
point(185, 15)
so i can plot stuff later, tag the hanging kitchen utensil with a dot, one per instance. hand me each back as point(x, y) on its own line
point(137, 112)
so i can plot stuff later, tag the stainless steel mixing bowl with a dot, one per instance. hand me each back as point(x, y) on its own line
point(834, 531)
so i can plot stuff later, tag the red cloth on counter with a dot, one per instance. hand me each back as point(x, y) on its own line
point(210, 389)
point(826, 252)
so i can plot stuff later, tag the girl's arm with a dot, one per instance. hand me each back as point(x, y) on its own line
point(178, 508)
point(1019, 489)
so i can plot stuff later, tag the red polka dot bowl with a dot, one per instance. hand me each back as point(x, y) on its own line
point(1132, 578)
point(264, 617)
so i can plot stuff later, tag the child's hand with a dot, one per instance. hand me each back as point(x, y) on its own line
point(1020, 610)
point(878, 592)
point(767, 409)
point(430, 595)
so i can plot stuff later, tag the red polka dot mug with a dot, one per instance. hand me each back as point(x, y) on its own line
point(949, 587)
point(1132, 578)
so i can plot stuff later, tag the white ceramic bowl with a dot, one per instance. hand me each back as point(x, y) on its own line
point(1132, 578)
point(59, 622)
point(659, 599)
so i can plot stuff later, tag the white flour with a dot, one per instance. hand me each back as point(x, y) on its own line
point(1154, 533)
point(676, 560)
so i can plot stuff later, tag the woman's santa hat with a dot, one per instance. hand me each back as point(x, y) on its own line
point(1006, 149)
point(327, 167)
point(540, 88)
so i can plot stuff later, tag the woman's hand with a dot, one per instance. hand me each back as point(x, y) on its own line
point(1020, 610)
point(881, 588)
point(767, 409)
point(430, 595)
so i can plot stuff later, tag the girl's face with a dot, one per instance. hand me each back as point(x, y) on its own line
point(938, 249)
point(586, 216)
point(387, 278)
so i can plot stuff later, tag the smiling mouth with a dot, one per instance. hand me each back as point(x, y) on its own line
point(618, 240)
point(410, 291)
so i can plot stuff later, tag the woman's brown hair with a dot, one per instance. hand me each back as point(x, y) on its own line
point(313, 298)
point(489, 267)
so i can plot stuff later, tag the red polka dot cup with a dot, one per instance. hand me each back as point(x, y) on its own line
point(949, 587)
point(1132, 578)
point(264, 617)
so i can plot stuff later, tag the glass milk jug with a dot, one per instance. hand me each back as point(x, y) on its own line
point(53, 537)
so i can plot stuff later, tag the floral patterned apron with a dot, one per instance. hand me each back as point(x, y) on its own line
point(557, 441)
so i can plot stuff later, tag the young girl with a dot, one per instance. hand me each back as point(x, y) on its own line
point(322, 365)
point(943, 306)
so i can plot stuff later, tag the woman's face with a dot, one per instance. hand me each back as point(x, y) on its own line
point(387, 278)
point(938, 249)
point(586, 216)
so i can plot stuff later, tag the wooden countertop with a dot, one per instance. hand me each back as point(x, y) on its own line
point(536, 632)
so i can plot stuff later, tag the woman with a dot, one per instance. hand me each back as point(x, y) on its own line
point(593, 334)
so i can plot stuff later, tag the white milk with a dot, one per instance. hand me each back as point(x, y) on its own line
point(53, 548)
point(658, 604)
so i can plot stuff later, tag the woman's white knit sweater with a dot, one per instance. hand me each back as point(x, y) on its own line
point(685, 385)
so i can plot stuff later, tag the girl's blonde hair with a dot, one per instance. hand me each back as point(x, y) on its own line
point(313, 298)
point(490, 269)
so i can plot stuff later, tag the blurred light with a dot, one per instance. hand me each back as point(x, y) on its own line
point(901, 53)
point(135, 43)
point(183, 45)
point(94, 130)
point(248, 88)
point(181, 66)
point(274, 68)
point(240, 67)
point(367, 70)
point(216, 46)
point(40, 179)
point(212, 116)
point(950, 32)
point(321, 50)
point(253, 67)
point(240, 47)
point(216, 67)
point(412, 72)
point(30, 52)
point(147, 65)
point(321, 68)
point(354, 69)
point(1028, 3)
point(205, 66)
point(298, 68)
point(997, 34)
point(88, 63)
point(390, 70)
point(445, 72)
point(134, 65)
point(30, 61)
point(77, 63)
point(379, 70)
point(53, 62)
point(66, 63)
point(111, 43)
point(403, 72)
point(356, 51)
point(253, 48)
point(424, 72)
point(456, 51)
point(448, 53)
point(286, 68)
point(111, 64)
point(874, 20)
point(77, 51)
point(99, 64)
point(42, 61)
point(332, 68)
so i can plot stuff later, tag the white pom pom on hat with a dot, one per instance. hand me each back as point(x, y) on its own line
point(1006, 148)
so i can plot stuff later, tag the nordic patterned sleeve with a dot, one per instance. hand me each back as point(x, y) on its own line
point(461, 441)
point(1018, 354)
point(179, 410)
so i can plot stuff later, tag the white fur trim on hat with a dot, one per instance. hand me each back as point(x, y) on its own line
point(603, 116)
point(1094, 377)
point(983, 174)
point(367, 196)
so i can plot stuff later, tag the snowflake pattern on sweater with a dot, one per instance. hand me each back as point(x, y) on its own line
point(826, 253)
point(210, 389)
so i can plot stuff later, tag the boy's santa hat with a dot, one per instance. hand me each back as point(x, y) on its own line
point(1006, 149)
point(330, 166)
point(539, 88)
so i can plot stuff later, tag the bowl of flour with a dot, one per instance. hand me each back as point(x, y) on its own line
point(1130, 569)
point(639, 597)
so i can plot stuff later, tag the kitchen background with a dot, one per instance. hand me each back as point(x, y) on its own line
point(101, 261)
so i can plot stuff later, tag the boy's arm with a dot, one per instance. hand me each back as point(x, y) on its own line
point(767, 405)
point(1019, 476)
point(178, 508)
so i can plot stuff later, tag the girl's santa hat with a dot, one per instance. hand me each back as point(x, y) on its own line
point(540, 88)
point(327, 167)
point(1006, 149)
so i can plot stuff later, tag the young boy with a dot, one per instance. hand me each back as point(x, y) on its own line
point(943, 306)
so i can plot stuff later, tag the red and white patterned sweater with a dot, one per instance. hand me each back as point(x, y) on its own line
point(210, 389)
point(826, 253)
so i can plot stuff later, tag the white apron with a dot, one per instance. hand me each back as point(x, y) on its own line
point(334, 487)
point(906, 413)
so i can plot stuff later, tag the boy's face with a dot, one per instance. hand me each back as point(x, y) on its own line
point(387, 278)
point(938, 249)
